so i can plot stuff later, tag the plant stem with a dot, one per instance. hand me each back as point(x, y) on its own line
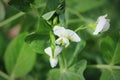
point(80, 28)
point(5, 76)
point(73, 21)
point(62, 61)
point(75, 53)
point(76, 13)
point(11, 19)
point(79, 16)
point(12, 77)
point(101, 66)
point(52, 39)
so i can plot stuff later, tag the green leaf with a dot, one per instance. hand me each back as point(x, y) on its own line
point(2, 11)
point(57, 5)
point(110, 75)
point(1, 45)
point(48, 15)
point(116, 56)
point(37, 42)
point(38, 6)
point(28, 23)
point(39, 3)
point(79, 67)
point(19, 57)
point(84, 5)
point(23, 5)
point(73, 50)
point(111, 54)
point(68, 74)
point(42, 26)
point(51, 5)
point(107, 47)
point(111, 50)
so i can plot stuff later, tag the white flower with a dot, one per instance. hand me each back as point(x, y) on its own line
point(53, 59)
point(102, 24)
point(65, 35)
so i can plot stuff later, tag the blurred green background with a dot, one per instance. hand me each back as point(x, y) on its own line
point(78, 13)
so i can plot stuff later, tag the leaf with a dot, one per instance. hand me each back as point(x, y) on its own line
point(48, 15)
point(73, 50)
point(19, 57)
point(37, 42)
point(42, 26)
point(110, 75)
point(1, 45)
point(111, 50)
point(79, 67)
point(84, 5)
point(116, 56)
point(39, 3)
point(2, 11)
point(68, 74)
point(107, 47)
point(23, 5)
point(55, 8)
point(111, 54)
point(51, 5)
point(28, 23)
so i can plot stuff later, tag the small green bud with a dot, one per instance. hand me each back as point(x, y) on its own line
point(55, 20)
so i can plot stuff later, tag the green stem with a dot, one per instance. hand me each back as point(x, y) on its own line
point(38, 24)
point(73, 21)
point(5, 76)
point(76, 13)
point(12, 77)
point(79, 16)
point(80, 28)
point(62, 61)
point(11, 19)
point(77, 48)
point(101, 66)
point(52, 39)
point(115, 53)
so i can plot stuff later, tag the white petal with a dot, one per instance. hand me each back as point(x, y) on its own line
point(101, 17)
point(48, 51)
point(53, 61)
point(62, 40)
point(106, 26)
point(72, 36)
point(59, 31)
point(66, 42)
point(58, 50)
point(59, 41)
point(99, 27)
point(105, 15)
point(102, 24)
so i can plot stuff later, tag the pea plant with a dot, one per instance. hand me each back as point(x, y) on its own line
point(59, 40)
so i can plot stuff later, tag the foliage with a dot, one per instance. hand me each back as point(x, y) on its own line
point(26, 30)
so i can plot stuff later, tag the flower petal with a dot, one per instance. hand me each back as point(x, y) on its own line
point(48, 51)
point(59, 31)
point(59, 41)
point(106, 26)
point(102, 24)
point(58, 50)
point(66, 42)
point(72, 36)
point(53, 61)
point(62, 40)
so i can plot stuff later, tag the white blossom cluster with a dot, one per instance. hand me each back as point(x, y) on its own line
point(64, 38)
point(67, 35)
